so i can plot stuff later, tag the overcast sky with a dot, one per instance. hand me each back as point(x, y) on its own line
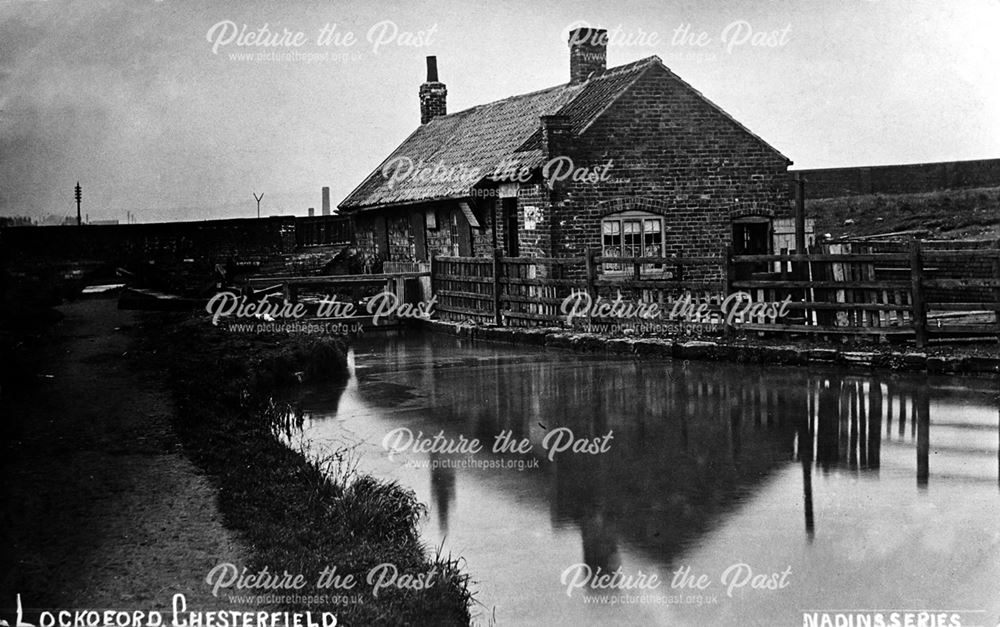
point(144, 104)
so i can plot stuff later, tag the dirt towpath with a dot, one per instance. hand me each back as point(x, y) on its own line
point(100, 507)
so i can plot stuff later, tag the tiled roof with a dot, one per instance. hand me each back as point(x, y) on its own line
point(473, 142)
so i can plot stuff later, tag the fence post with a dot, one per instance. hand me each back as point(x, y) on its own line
point(730, 269)
point(917, 297)
point(590, 259)
point(390, 287)
point(435, 268)
point(497, 267)
point(590, 267)
point(996, 288)
point(728, 332)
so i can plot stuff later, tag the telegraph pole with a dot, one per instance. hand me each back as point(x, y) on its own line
point(78, 196)
point(257, 198)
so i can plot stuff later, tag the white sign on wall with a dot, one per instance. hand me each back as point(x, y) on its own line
point(531, 217)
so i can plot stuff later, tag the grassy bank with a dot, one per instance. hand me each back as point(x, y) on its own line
point(291, 511)
point(947, 214)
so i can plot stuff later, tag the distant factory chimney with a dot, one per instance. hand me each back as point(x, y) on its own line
point(326, 201)
point(312, 211)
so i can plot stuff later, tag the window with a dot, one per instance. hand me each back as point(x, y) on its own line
point(632, 234)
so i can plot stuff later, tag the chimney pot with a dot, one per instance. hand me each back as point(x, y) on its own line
point(433, 94)
point(432, 69)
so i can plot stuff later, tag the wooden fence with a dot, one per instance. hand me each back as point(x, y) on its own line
point(829, 290)
point(353, 286)
point(323, 231)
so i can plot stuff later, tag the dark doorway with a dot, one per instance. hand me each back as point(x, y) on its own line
point(509, 210)
point(751, 238)
point(418, 230)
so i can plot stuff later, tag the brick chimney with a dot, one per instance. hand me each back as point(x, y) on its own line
point(588, 53)
point(433, 94)
point(326, 201)
point(557, 143)
point(557, 134)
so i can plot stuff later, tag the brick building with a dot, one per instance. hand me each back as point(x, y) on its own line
point(630, 159)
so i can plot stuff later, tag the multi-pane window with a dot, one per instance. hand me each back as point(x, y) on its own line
point(632, 234)
point(612, 243)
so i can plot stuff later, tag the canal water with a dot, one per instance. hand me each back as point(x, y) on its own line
point(755, 495)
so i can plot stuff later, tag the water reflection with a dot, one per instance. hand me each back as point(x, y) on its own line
point(696, 446)
point(443, 489)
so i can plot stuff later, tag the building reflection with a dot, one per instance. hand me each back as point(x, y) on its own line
point(691, 440)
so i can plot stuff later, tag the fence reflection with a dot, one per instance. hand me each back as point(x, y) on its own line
point(691, 440)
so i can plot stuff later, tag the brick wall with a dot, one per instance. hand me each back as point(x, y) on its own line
point(538, 241)
point(672, 154)
point(676, 156)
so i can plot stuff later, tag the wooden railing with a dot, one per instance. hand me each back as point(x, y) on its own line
point(526, 291)
point(833, 293)
point(291, 286)
point(465, 288)
point(912, 294)
point(830, 290)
